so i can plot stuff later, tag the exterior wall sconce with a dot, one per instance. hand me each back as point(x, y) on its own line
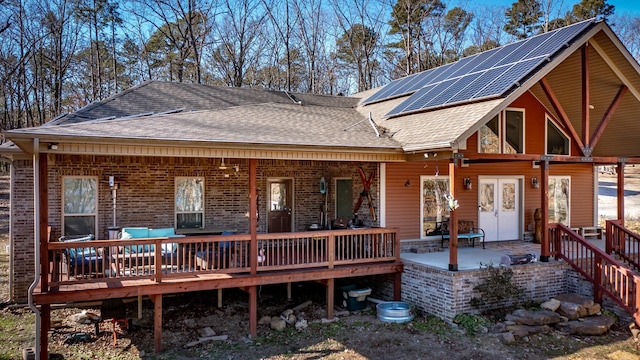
point(407, 183)
point(53, 146)
point(467, 183)
point(534, 183)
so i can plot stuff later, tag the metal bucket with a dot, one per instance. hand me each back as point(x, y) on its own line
point(394, 311)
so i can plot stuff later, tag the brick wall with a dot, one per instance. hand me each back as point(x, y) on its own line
point(146, 196)
point(22, 261)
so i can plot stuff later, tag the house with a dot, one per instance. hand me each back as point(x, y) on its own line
point(505, 132)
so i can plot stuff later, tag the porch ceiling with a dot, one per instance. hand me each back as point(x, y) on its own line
point(609, 69)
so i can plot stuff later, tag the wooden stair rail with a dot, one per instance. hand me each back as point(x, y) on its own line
point(623, 243)
point(608, 275)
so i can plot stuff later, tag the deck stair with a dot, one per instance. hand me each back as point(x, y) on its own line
point(613, 272)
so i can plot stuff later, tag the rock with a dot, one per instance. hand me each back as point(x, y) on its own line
point(84, 317)
point(277, 324)
point(635, 332)
point(592, 325)
point(575, 306)
point(205, 339)
point(551, 305)
point(622, 355)
point(499, 328)
point(206, 332)
point(508, 338)
point(528, 317)
point(301, 325)
point(328, 321)
point(525, 330)
point(288, 317)
point(265, 320)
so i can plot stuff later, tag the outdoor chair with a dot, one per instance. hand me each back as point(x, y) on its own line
point(83, 260)
point(466, 230)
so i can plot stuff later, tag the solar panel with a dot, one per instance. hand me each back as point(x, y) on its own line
point(490, 73)
point(508, 78)
point(417, 98)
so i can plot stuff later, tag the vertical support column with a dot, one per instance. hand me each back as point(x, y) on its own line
point(620, 191)
point(253, 217)
point(397, 286)
point(586, 133)
point(289, 292)
point(253, 311)
point(157, 323)
point(330, 296)
point(43, 190)
point(219, 298)
point(544, 206)
point(453, 222)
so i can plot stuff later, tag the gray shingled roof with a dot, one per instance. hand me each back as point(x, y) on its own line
point(159, 96)
point(267, 123)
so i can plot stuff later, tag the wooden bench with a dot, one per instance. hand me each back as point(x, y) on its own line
point(466, 230)
point(591, 231)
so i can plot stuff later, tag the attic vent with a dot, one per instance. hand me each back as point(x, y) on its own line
point(293, 98)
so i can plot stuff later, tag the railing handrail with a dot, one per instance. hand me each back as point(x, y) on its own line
point(174, 257)
point(622, 242)
point(606, 269)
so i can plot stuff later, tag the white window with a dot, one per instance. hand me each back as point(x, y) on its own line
point(80, 205)
point(434, 204)
point(504, 134)
point(189, 202)
point(558, 142)
point(559, 204)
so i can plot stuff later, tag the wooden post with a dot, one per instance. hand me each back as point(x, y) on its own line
point(219, 298)
point(586, 133)
point(453, 222)
point(253, 218)
point(397, 286)
point(139, 307)
point(253, 311)
point(330, 297)
point(157, 323)
point(544, 206)
point(289, 292)
point(620, 191)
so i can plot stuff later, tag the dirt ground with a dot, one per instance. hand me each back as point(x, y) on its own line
point(355, 336)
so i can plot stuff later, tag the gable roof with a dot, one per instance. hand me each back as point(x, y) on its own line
point(448, 125)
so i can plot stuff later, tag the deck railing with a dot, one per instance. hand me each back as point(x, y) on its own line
point(74, 262)
point(622, 242)
point(607, 275)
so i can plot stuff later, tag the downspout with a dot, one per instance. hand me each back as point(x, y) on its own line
point(36, 240)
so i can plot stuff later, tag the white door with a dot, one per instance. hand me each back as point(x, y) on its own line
point(499, 206)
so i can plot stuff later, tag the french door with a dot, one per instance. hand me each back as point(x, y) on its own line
point(500, 206)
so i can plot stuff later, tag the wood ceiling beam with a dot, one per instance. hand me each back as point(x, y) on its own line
point(585, 94)
point(546, 88)
point(607, 115)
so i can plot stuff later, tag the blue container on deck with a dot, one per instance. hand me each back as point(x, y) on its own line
point(352, 298)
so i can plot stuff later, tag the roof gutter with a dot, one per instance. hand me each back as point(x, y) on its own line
point(36, 245)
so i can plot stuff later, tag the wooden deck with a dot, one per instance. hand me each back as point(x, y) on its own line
point(106, 269)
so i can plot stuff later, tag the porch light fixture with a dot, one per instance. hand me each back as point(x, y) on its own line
point(534, 183)
point(467, 183)
point(53, 146)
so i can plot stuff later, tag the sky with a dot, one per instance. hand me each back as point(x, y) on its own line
point(622, 6)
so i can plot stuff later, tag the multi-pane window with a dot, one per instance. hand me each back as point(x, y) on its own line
point(559, 190)
point(557, 141)
point(80, 205)
point(434, 203)
point(189, 202)
point(504, 134)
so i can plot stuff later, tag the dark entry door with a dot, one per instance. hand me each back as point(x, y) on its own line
point(280, 204)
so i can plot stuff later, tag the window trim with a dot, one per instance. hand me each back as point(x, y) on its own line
point(549, 119)
point(423, 235)
point(175, 205)
point(503, 141)
point(97, 199)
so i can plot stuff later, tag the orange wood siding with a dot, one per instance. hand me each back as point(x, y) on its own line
point(403, 202)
